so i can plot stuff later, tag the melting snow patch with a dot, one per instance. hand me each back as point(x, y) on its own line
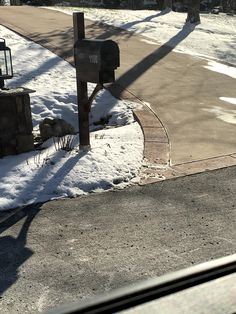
point(226, 115)
point(229, 100)
point(149, 42)
point(221, 68)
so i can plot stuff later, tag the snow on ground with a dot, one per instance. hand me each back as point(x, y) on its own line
point(116, 154)
point(215, 37)
point(221, 68)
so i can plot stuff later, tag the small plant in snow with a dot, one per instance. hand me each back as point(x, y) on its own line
point(47, 160)
point(37, 159)
point(40, 159)
point(63, 143)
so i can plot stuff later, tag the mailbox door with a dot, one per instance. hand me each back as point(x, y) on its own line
point(96, 60)
point(110, 55)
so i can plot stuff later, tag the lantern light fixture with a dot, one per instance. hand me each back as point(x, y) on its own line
point(6, 70)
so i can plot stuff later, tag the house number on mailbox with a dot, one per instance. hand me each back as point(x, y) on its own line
point(93, 59)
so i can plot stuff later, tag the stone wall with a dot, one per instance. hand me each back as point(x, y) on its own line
point(15, 123)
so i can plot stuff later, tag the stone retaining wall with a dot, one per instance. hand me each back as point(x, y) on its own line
point(15, 123)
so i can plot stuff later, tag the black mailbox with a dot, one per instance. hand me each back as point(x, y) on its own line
point(96, 60)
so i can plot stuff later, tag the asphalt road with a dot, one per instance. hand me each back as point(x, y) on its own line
point(67, 250)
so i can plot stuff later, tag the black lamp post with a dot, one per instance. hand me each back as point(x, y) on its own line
point(6, 71)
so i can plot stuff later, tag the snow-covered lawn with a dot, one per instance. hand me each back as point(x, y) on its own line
point(116, 154)
point(215, 37)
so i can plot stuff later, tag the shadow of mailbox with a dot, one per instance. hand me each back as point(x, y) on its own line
point(96, 60)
